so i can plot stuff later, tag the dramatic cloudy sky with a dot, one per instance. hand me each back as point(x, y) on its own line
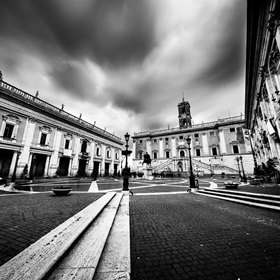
point(125, 63)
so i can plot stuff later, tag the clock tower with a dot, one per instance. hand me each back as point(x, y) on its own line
point(184, 111)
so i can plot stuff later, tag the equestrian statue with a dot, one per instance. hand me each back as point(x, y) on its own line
point(147, 160)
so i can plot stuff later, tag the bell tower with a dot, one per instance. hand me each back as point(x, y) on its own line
point(184, 114)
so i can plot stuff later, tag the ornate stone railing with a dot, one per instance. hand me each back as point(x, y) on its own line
point(18, 93)
point(201, 125)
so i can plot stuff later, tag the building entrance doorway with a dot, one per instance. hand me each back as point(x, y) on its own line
point(107, 166)
point(115, 169)
point(64, 166)
point(5, 162)
point(82, 167)
point(180, 166)
point(38, 165)
point(95, 168)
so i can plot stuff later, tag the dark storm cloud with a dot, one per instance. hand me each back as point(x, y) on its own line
point(73, 79)
point(226, 43)
point(112, 32)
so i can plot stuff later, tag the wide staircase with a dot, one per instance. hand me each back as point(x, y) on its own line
point(93, 244)
point(162, 167)
point(253, 199)
point(219, 168)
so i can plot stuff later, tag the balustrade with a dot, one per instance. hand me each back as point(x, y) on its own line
point(16, 92)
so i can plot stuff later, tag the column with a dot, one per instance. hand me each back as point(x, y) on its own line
point(113, 160)
point(27, 140)
point(223, 147)
point(173, 147)
point(46, 171)
point(149, 147)
point(205, 145)
point(103, 156)
point(70, 166)
point(12, 166)
point(160, 148)
point(77, 149)
point(56, 143)
point(91, 155)
point(134, 155)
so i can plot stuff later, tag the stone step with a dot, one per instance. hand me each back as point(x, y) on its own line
point(257, 200)
point(246, 194)
point(82, 259)
point(115, 259)
point(39, 259)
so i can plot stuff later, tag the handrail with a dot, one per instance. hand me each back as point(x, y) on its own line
point(51, 108)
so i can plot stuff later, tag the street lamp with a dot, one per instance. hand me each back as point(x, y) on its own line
point(237, 159)
point(192, 179)
point(126, 152)
point(244, 176)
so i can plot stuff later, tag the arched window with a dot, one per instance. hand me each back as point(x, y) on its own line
point(182, 154)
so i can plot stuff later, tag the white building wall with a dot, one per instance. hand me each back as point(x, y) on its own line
point(223, 147)
point(205, 145)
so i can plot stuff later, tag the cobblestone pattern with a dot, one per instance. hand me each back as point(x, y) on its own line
point(26, 218)
point(197, 237)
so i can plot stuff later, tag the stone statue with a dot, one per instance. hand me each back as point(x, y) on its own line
point(147, 159)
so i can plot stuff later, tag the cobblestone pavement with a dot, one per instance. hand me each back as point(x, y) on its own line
point(25, 218)
point(190, 236)
point(176, 236)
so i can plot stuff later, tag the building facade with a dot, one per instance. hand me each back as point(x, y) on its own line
point(38, 139)
point(262, 99)
point(215, 146)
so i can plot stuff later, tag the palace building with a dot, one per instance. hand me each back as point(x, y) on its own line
point(38, 139)
point(262, 99)
point(219, 147)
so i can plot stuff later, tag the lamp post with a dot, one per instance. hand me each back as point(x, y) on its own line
point(243, 172)
point(126, 152)
point(192, 179)
point(237, 159)
point(15, 169)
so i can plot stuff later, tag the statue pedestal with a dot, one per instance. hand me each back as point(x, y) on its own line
point(148, 173)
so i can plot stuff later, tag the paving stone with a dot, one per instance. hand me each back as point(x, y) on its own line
point(26, 218)
point(203, 238)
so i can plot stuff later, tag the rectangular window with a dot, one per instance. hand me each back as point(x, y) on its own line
point(197, 152)
point(140, 155)
point(196, 135)
point(8, 131)
point(167, 139)
point(235, 149)
point(180, 137)
point(167, 154)
point(212, 133)
point(232, 129)
point(155, 155)
point(43, 139)
point(140, 141)
point(214, 151)
point(155, 140)
point(84, 147)
point(67, 143)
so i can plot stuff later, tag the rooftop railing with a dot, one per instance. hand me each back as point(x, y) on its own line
point(201, 125)
point(16, 92)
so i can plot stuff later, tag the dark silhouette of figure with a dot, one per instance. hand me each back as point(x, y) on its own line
point(147, 159)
